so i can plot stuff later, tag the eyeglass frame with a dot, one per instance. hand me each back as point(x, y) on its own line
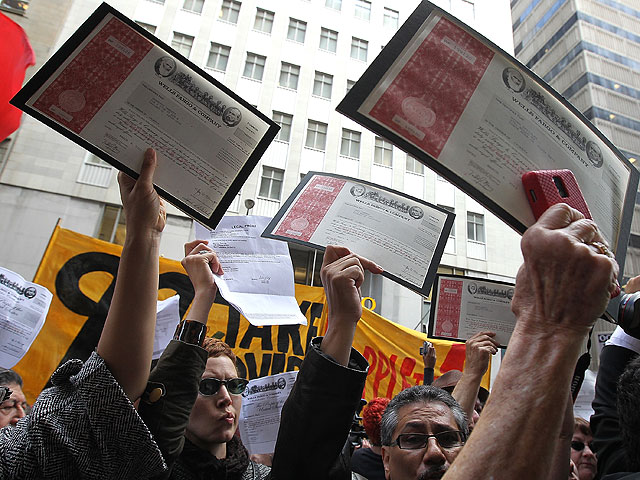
point(220, 384)
point(427, 436)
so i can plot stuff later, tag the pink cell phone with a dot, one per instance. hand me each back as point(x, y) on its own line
point(548, 187)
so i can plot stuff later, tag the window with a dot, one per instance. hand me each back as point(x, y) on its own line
point(289, 75)
point(450, 210)
point(94, 171)
point(322, 85)
point(350, 83)
point(359, 49)
point(362, 10)
point(182, 43)
point(230, 11)
point(284, 120)
point(335, 4)
point(328, 40)
point(475, 227)
point(194, 6)
point(112, 226)
point(316, 135)
point(264, 21)
point(149, 28)
point(254, 66)
point(350, 145)
point(383, 152)
point(297, 30)
point(391, 18)
point(218, 57)
point(271, 183)
point(414, 166)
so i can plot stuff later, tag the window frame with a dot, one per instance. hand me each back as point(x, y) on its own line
point(332, 4)
point(396, 18)
point(279, 118)
point(264, 20)
point(228, 12)
point(329, 40)
point(255, 66)
point(193, 3)
point(219, 55)
point(386, 149)
point(415, 162)
point(473, 226)
point(322, 85)
point(359, 45)
point(178, 46)
point(364, 7)
point(296, 26)
point(318, 134)
point(291, 73)
point(349, 139)
point(272, 180)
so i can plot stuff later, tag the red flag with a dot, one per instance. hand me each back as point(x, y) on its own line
point(16, 55)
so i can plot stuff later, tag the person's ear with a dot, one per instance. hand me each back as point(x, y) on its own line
point(385, 461)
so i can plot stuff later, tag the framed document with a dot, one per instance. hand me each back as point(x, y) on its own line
point(404, 235)
point(463, 306)
point(115, 90)
point(474, 114)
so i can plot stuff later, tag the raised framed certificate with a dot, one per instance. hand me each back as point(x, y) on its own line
point(470, 111)
point(463, 306)
point(115, 89)
point(406, 236)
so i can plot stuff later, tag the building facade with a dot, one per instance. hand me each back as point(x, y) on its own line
point(294, 60)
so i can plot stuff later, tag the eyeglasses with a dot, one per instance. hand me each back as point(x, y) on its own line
point(414, 441)
point(578, 446)
point(210, 386)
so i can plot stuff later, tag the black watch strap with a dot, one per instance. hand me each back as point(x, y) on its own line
point(191, 331)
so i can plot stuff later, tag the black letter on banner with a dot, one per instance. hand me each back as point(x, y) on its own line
point(260, 332)
point(289, 331)
point(182, 285)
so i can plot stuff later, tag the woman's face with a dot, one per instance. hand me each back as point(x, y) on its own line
point(214, 418)
point(584, 459)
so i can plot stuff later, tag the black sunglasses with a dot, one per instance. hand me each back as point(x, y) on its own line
point(210, 386)
point(578, 446)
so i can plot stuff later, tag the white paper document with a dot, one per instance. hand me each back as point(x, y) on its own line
point(463, 306)
point(258, 272)
point(23, 309)
point(167, 318)
point(261, 406)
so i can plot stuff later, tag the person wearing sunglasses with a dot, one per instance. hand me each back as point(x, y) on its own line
point(582, 454)
point(193, 398)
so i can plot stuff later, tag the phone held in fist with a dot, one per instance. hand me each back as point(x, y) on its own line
point(548, 187)
point(425, 346)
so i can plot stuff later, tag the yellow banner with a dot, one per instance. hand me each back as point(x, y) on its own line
point(80, 271)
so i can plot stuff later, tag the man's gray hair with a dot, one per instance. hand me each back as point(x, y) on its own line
point(9, 376)
point(420, 394)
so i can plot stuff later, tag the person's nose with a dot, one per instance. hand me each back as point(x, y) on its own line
point(20, 413)
point(224, 397)
point(434, 454)
point(587, 452)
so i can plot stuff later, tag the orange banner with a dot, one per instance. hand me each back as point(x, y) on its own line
point(81, 271)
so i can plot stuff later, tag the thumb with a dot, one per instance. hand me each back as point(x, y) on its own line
point(149, 164)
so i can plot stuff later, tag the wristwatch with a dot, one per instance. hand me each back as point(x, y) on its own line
point(191, 331)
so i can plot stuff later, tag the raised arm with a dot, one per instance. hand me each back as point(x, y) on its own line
point(561, 289)
point(479, 349)
point(429, 361)
point(126, 343)
point(342, 275)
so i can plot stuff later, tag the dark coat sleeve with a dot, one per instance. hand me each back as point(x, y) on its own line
point(177, 375)
point(607, 440)
point(317, 416)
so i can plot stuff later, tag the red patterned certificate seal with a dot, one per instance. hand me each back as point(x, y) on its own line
point(300, 224)
point(418, 113)
point(71, 101)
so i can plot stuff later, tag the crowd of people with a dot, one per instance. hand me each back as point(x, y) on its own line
point(111, 418)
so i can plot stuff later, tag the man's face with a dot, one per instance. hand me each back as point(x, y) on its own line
point(214, 418)
point(425, 463)
point(584, 459)
point(14, 408)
